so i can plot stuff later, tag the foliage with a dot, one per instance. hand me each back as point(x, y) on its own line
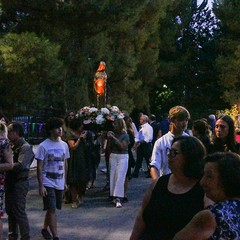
point(30, 69)
point(228, 60)
point(145, 44)
point(232, 112)
point(186, 57)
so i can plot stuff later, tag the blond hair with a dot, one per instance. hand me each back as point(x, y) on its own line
point(3, 129)
point(120, 122)
point(178, 112)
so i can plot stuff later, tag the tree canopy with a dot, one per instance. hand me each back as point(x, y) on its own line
point(158, 53)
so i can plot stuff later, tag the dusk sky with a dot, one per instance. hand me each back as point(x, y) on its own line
point(209, 2)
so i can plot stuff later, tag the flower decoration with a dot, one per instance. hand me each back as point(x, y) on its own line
point(99, 116)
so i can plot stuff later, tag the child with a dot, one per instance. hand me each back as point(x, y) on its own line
point(51, 157)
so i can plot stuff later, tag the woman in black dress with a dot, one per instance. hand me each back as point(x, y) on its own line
point(175, 198)
point(76, 170)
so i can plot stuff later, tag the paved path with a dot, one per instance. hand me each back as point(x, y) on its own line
point(96, 219)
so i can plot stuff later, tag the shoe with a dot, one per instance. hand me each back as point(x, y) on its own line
point(46, 234)
point(74, 205)
point(118, 205)
point(125, 199)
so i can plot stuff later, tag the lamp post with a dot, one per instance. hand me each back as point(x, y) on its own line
point(100, 82)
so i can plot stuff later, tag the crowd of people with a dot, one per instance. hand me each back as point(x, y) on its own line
point(195, 190)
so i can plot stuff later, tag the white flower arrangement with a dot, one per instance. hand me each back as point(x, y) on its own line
point(114, 109)
point(105, 111)
point(99, 117)
point(93, 109)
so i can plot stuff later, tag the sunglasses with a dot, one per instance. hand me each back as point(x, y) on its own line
point(172, 152)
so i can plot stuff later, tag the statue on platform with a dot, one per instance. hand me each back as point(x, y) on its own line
point(100, 81)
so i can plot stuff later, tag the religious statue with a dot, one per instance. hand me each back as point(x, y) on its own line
point(100, 81)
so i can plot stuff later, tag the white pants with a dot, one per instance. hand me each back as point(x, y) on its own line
point(118, 171)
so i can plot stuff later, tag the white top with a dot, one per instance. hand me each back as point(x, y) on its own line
point(145, 133)
point(159, 157)
point(53, 154)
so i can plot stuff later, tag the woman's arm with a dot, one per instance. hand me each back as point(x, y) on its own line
point(8, 157)
point(122, 145)
point(73, 145)
point(201, 227)
point(139, 225)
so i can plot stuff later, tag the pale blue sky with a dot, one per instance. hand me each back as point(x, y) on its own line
point(209, 2)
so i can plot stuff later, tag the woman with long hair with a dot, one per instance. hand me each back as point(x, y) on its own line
point(224, 135)
point(118, 141)
point(76, 171)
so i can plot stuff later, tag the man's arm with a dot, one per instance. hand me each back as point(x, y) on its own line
point(201, 227)
point(155, 163)
point(25, 158)
point(42, 189)
point(154, 172)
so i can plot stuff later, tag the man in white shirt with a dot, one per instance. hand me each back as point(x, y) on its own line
point(178, 117)
point(143, 144)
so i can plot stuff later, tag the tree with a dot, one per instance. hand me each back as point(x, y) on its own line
point(30, 73)
point(123, 34)
point(228, 60)
point(187, 54)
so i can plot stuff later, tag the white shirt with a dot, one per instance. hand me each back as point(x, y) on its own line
point(54, 155)
point(145, 133)
point(159, 157)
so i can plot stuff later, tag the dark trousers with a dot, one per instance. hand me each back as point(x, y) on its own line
point(15, 202)
point(144, 151)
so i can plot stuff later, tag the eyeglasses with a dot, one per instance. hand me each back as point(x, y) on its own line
point(220, 126)
point(172, 152)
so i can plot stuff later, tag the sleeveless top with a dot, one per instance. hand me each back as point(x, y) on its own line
point(115, 148)
point(167, 213)
point(227, 216)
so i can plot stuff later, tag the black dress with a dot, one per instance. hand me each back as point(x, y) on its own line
point(77, 171)
point(167, 213)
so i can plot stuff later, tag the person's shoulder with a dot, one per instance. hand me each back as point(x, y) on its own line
point(204, 219)
point(231, 204)
point(62, 142)
point(162, 181)
point(164, 177)
point(164, 138)
point(185, 134)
